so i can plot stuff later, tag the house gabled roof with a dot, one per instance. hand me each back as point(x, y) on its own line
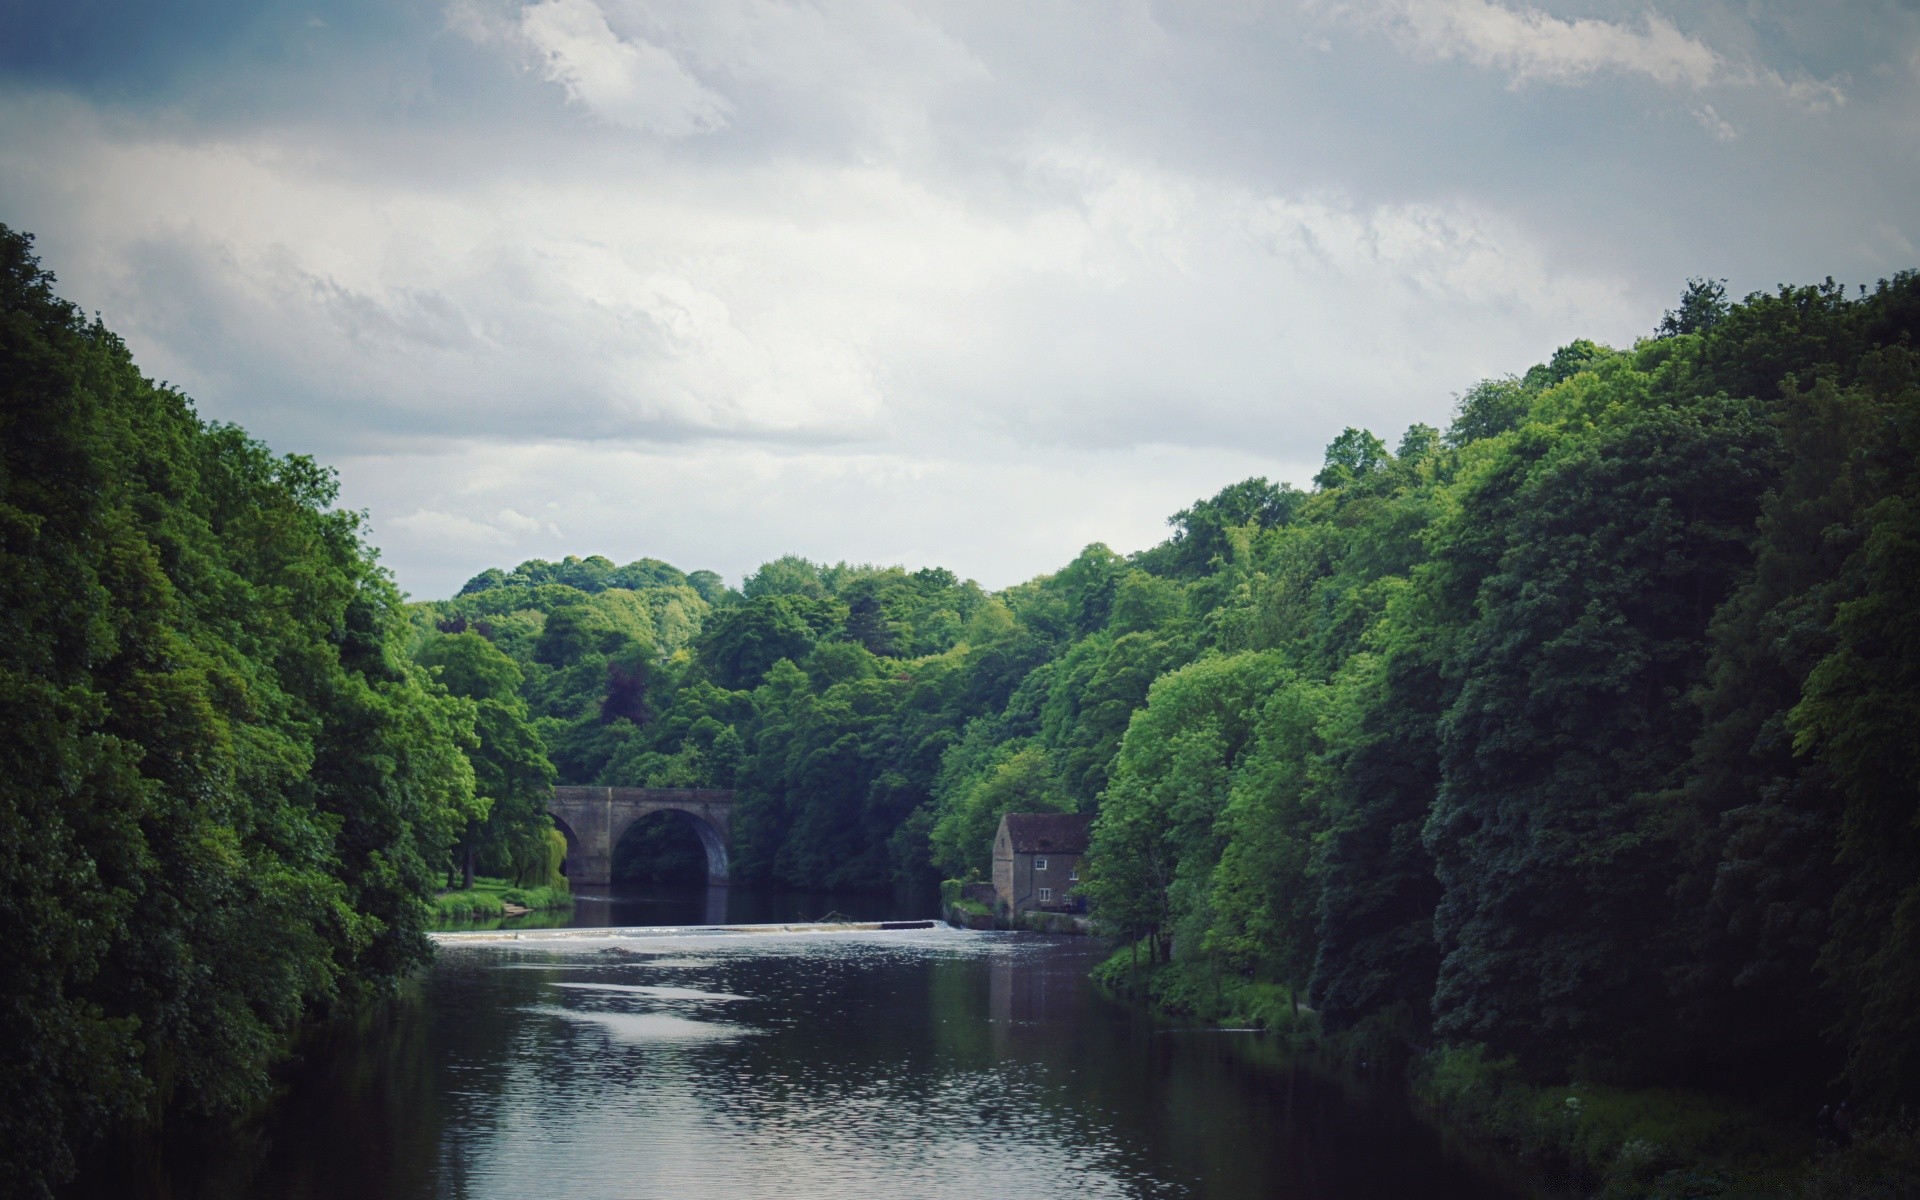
point(1048, 833)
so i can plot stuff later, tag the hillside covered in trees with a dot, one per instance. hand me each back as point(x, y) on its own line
point(1581, 729)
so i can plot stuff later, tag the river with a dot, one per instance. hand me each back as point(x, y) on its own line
point(914, 1063)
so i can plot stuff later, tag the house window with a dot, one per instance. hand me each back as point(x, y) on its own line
point(1073, 874)
point(1046, 895)
point(1039, 864)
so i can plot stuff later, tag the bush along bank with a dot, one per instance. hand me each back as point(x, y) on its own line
point(963, 906)
point(969, 904)
point(1581, 1137)
point(490, 899)
point(1667, 1142)
point(1039, 921)
point(1194, 991)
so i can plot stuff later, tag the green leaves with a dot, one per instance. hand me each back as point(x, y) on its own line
point(222, 785)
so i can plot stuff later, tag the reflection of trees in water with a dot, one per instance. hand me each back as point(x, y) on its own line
point(947, 1066)
point(361, 1113)
point(661, 848)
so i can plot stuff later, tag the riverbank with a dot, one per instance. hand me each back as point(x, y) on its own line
point(492, 899)
point(1661, 1142)
point(1576, 1137)
point(971, 906)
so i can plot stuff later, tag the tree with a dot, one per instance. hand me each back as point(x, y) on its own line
point(1265, 896)
point(788, 575)
point(1702, 306)
point(1201, 529)
point(1156, 839)
point(1490, 408)
point(739, 645)
point(1376, 952)
point(1571, 713)
point(512, 773)
point(1351, 457)
point(1858, 713)
point(1018, 780)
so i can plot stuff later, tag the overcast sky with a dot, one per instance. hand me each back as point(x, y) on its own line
point(970, 284)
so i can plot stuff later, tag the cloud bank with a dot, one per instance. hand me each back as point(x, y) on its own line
point(927, 282)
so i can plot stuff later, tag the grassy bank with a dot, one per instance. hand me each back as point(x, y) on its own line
point(1195, 992)
point(1663, 1142)
point(1600, 1140)
point(490, 899)
point(959, 909)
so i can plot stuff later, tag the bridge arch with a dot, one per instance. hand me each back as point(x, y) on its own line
point(712, 840)
point(593, 819)
point(573, 842)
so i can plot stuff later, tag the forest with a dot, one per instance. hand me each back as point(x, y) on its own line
point(1578, 732)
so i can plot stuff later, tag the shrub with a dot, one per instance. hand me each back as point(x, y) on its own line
point(1630, 1141)
point(1198, 989)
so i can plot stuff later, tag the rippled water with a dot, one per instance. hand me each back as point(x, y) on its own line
point(927, 1063)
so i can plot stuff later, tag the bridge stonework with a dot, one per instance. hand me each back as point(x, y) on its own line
point(594, 819)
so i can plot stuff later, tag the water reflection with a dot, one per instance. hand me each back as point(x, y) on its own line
point(928, 1063)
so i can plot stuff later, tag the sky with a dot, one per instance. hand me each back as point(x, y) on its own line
point(968, 284)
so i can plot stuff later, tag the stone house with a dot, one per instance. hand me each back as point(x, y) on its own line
point(1036, 862)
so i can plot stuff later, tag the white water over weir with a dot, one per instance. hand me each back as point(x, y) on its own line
point(474, 937)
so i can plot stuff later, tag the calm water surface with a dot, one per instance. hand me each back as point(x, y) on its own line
point(933, 1063)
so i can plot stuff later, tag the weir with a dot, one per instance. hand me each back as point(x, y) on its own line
point(593, 820)
point(632, 932)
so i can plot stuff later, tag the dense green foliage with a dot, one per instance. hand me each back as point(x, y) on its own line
point(1580, 730)
point(225, 793)
point(508, 827)
point(488, 898)
point(1584, 731)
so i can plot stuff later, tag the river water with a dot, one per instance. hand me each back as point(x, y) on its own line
point(916, 1063)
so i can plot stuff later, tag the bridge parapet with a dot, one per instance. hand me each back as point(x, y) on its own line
point(594, 819)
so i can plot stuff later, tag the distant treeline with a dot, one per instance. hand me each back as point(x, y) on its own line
point(1583, 729)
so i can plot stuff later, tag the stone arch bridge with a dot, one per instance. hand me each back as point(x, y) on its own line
point(594, 819)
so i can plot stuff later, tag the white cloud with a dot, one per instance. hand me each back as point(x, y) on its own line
point(1715, 124)
point(1530, 44)
point(1119, 301)
point(1815, 94)
point(434, 526)
point(519, 523)
point(625, 81)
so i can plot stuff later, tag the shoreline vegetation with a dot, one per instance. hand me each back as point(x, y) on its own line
point(1572, 1137)
point(1570, 742)
point(963, 910)
point(494, 899)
